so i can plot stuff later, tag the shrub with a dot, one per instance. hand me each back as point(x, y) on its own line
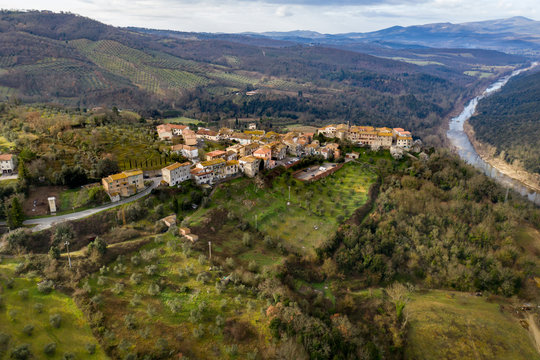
point(202, 259)
point(118, 288)
point(90, 348)
point(45, 287)
point(151, 270)
point(50, 349)
point(129, 321)
point(10, 283)
point(229, 262)
point(203, 277)
point(268, 242)
point(174, 305)
point(4, 342)
point(55, 320)
point(68, 356)
point(136, 260)
point(21, 352)
point(28, 330)
point(97, 300)
point(231, 350)
point(198, 332)
point(98, 245)
point(153, 289)
point(38, 307)
point(135, 278)
point(54, 253)
point(13, 315)
point(246, 240)
point(135, 300)
point(252, 266)
point(119, 269)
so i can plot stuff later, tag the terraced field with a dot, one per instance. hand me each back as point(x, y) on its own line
point(154, 72)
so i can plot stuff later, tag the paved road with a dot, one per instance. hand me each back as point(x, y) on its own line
point(47, 222)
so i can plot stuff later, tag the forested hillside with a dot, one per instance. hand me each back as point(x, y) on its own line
point(510, 120)
point(82, 63)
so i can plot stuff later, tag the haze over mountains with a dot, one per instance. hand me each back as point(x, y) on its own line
point(517, 35)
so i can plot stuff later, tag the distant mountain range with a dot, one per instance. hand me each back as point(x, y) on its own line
point(516, 35)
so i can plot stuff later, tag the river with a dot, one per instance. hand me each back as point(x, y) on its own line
point(459, 139)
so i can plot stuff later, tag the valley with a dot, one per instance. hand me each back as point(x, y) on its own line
point(267, 196)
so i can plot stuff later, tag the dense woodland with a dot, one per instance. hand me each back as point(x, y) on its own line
point(509, 121)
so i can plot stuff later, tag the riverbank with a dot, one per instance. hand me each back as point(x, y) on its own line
point(487, 152)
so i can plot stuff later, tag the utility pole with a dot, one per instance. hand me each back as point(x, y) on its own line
point(209, 251)
point(289, 202)
point(69, 256)
point(506, 196)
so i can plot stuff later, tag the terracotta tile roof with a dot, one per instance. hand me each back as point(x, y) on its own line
point(177, 165)
point(6, 157)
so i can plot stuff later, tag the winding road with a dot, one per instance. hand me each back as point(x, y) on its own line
point(47, 222)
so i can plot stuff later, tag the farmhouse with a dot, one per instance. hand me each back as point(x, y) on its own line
point(176, 173)
point(7, 163)
point(124, 184)
point(207, 134)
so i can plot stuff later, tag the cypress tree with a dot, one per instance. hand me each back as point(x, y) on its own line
point(15, 214)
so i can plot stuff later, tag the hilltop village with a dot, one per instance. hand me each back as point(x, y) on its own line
point(252, 151)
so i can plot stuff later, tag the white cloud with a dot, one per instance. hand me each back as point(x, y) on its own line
point(329, 16)
point(283, 11)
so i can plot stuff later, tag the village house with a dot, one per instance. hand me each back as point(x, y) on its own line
point(190, 138)
point(249, 165)
point(211, 170)
point(404, 142)
point(328, 131)
point(7, 164)
point(216, 154)
point(231, 168)
point(252, 126)
point(241, 138)
point(231, 155)
point(279, 150)
point(200, 176)
point(312, 149)
point(331, 150)
point(189, 152)
point(207, 135)
point(124, 184)
point(225, 133)
point(176, 173)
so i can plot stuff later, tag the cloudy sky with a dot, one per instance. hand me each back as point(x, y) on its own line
point(328, 16)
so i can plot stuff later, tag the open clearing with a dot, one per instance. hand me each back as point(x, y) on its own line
point(454, 325)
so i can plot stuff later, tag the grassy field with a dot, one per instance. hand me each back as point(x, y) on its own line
point(181, 120)
point(188, 312)
point(315, 209)
point(479, 74)
point(20, 309)
point(453, 325)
